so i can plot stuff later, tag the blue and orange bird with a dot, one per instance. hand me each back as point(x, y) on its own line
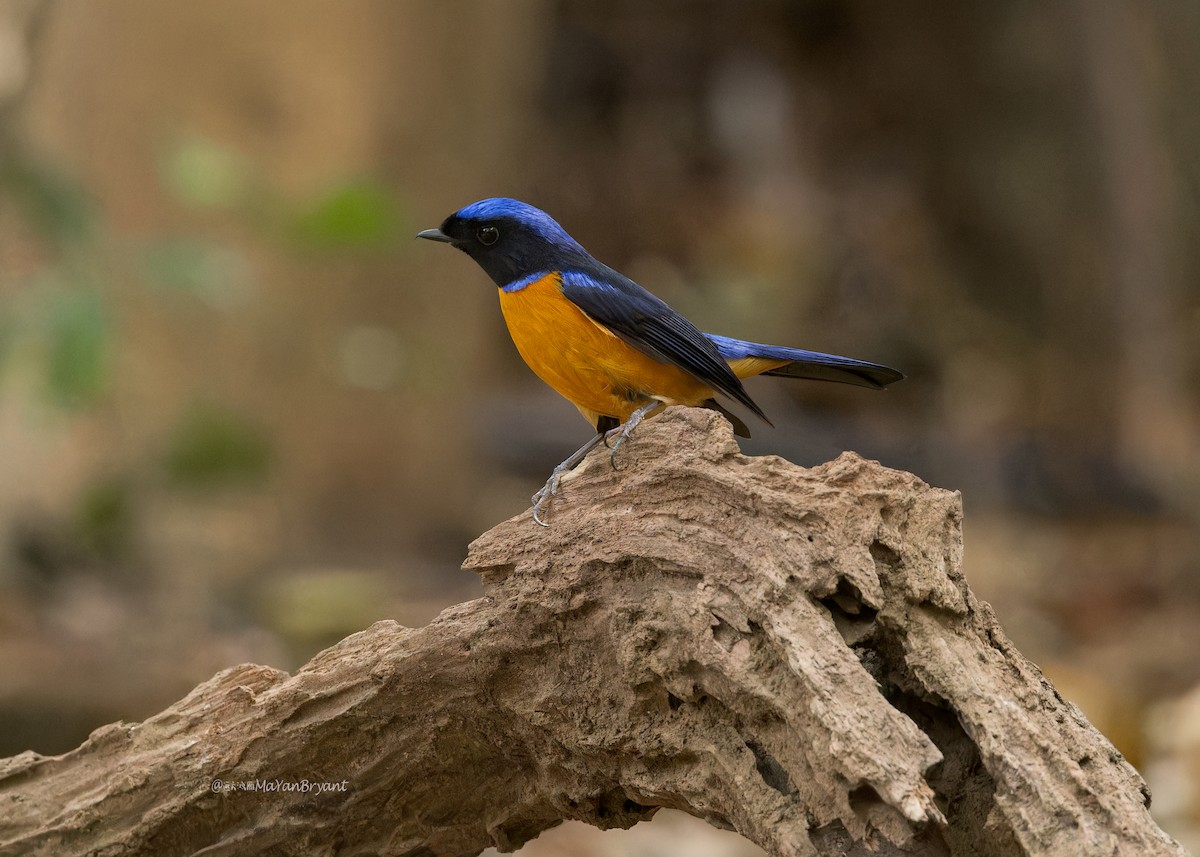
point(616, 352)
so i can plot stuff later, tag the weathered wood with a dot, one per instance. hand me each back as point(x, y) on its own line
point(791, 653)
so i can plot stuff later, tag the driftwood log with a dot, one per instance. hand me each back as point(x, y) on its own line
point(790, 653)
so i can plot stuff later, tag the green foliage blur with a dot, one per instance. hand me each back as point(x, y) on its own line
point(211, 447)
point(67, 319)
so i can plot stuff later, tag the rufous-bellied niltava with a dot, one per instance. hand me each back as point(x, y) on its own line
point(615, 351)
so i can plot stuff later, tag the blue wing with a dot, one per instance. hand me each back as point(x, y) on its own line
point(651, 326)
point(812, 365)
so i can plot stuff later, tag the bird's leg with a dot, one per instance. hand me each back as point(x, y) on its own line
point(605, 428)
point(622, 431)
point(556, 475)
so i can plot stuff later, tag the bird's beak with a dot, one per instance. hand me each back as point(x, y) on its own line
point(435, 235)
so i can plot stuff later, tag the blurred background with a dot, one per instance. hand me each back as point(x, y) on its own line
point(243, 413)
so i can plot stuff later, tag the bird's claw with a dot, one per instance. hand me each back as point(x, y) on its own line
point(541, 497)
point(620, 433)
point(623, 431)
point(612, 450)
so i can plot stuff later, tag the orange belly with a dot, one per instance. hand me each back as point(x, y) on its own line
point(586, 364)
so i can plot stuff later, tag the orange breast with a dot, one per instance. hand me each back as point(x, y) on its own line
point(585, 363)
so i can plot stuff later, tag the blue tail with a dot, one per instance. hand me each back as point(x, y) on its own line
point(812, 365)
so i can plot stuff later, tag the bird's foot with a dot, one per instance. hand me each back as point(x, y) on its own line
point(623, 431)
point(542, 497)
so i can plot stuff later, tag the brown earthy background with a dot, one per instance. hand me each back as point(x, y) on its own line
point(243, 413)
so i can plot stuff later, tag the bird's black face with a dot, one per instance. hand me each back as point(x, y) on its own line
point(506, 247)
point(498, 245)
point(476, 238)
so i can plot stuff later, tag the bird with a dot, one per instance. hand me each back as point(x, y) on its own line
point(617, 352)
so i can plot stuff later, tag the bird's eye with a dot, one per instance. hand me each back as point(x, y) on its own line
point(488, 235)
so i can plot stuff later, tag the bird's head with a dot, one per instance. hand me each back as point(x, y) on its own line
point(508, 238)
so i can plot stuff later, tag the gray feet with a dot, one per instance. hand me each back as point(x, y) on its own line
point(622, 431)
point(542, 497)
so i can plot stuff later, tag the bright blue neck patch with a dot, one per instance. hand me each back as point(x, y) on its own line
point(529, 279)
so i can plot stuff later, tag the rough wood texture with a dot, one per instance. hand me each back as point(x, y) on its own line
point(791, 653)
